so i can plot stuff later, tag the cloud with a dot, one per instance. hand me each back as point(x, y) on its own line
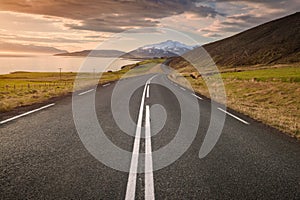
point(212, 35)
point(107, 15)
point(242, 15)
point(39, 39)
point(113, 24)
point(82, 24)
point(39, 30)
point(230, 24)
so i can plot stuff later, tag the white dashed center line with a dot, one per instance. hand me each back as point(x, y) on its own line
point(82, 93)
point(149, 184)
point(148, 92)
point(197, 96)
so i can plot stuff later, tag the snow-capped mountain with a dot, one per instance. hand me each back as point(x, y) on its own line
point(169, 45)
point(168, 48)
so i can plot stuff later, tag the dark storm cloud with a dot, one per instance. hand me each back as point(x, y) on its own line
point(107, 15)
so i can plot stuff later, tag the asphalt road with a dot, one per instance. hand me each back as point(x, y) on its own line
point(44, 157)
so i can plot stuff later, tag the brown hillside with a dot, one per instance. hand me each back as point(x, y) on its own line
point(274, 42)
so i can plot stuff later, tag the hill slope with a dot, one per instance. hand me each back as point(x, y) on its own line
point(274, 42)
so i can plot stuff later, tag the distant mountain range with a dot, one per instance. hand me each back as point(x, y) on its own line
point(274, 42)
point(168, 48)
point(19, 49)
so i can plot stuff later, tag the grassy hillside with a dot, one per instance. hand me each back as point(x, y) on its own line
point(274, 42)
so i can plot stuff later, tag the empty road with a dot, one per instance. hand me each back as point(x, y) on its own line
point(44, 157)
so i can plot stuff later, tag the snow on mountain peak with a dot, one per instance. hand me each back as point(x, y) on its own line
point(166, 48)
point(168, 45)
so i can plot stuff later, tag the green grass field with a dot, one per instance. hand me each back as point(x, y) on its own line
point(286, 74)
point(26, 88)
point(268, 95)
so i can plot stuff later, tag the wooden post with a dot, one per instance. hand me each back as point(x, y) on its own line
point(60, 73)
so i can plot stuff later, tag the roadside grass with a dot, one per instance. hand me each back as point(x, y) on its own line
point(26, 88)
point(267, 95)
point(288, 74)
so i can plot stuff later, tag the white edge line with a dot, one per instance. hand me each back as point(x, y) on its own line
point(197, 96)
point(27, 113)
point(182, 88)
point(149, 184)
point(107, 84)
point(245, 122)
point(82, 93)
point(149, 81)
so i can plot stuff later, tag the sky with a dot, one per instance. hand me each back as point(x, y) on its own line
point(53, 26)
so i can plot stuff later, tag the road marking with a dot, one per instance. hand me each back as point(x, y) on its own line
point(182, 88)
point(27, 113)
point(245, 122)
point(149, 81)
point(107, 84)
point(82, 93)
point(131, 183)
point(149, 184)
point(148, 91)
point(197, 96)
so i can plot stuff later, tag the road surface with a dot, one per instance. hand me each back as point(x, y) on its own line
point(43, 157)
